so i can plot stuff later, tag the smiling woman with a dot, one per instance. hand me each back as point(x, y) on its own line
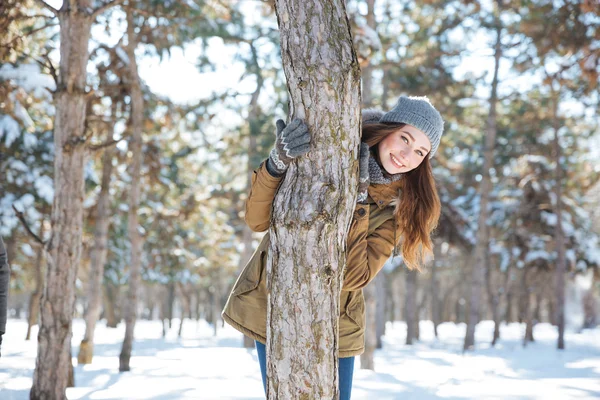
point(396, 199)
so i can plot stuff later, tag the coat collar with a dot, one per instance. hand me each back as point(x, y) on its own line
point(383, 195)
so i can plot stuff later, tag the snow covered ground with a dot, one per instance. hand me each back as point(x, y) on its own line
point(200, 366)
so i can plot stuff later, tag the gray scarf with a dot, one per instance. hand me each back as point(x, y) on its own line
point(378, 175)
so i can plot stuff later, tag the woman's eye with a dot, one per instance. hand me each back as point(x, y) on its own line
point(405, 139)
point(419, 152)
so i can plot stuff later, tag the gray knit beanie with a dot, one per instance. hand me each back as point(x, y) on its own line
point(420, 113)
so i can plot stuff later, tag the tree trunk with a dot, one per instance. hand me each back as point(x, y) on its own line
point(254, 132)
point(370, 291)
point(482, 239)
point(561, 267)
point(98, 256)
point(315, 202)
point(36, 296)
point(435, 291)
point(135, 239)
point(51, 373)
point(171, 299)
point(110, 302)
point(185, 306)
point(380, 307)
point(411, 306)
point(529, 318)
point(366, 359)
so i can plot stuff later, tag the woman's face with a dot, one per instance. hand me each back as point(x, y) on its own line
point(403, 150)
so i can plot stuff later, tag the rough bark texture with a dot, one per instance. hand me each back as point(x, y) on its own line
point(36, 296)
point(314, 206)
point(64, 251)
point(561, 266)
point(98, 258)
point(479, 266)
point(135, 239)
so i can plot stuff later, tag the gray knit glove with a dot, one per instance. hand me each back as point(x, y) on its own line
point(292, 141)
point(363, 167)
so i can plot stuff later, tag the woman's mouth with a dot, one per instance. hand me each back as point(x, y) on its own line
point(396, 162)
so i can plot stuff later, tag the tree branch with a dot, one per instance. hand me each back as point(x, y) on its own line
point(47, 6)
point(105, 7)
point(95, 147)
point(26, 226)
point(52, 69)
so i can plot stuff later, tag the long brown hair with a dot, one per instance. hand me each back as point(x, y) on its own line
point(418, 206)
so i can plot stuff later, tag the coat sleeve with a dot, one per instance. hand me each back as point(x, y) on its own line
point(366, 254)
point(4, 279)
point(260, 199)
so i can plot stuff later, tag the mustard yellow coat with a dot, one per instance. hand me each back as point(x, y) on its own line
point(370, 242)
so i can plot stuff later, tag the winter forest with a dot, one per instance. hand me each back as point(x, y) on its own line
point(130, 131)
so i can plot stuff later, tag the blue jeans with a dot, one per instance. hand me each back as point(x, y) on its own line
point(346, 370)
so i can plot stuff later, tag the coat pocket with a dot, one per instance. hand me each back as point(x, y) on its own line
point(355, 310)
point(251, 275)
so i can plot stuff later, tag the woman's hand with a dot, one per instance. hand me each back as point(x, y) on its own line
point(363, 167)
point(292, 141)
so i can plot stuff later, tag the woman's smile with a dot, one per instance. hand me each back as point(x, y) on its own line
point(396, 162)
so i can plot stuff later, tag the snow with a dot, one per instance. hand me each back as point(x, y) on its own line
point(9, 129)
point(29, 77)
point(202, 366)
point(45, 188)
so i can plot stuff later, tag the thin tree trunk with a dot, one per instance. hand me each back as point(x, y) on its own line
point(560, 269)
point(380, 307)
point(313, 209)
point(370, 291)
point(254, 132)
point(171, 298)
point(110, 302)
point(411, 306)
point(36, 296)
point(482, 240)
point(435, 291)
point(366, 359)
point(216, 304)
point(185, 306)
point(135, 146)
point(367, 75)
point(98, 256)
point(51, 373)
point(531, 288)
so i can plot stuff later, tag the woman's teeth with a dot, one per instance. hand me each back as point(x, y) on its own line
point(396, 162)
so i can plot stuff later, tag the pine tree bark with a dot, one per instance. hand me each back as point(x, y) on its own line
point(36, 296)
point(135, 239)
point(482, 238)
point(51, 373)
point(313, 209)
point(561, 266)
point(98, 256)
